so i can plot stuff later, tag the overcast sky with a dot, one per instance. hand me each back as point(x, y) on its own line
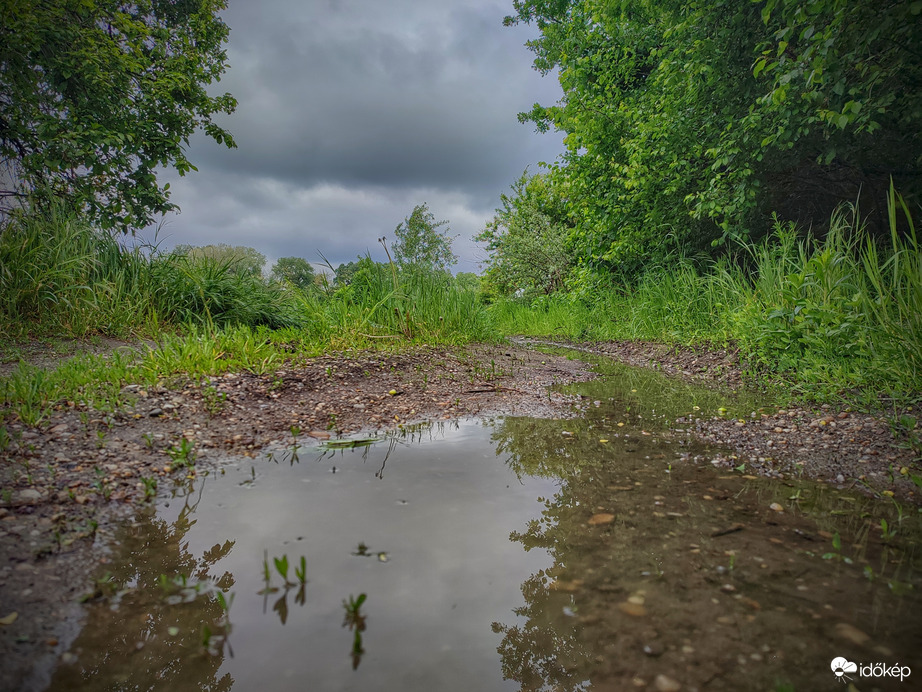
point(350, 113)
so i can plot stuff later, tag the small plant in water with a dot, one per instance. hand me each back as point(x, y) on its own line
point(301, 571)
point(837, 551)
point(281, 566)
point(355, 621)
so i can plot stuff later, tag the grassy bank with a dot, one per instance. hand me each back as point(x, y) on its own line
point(835, 318)
point(60, 277)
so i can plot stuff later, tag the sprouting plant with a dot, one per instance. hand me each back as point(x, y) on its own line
point(887, 532)
point(281, 566)
point(301, 571)
point(837, 551)
point(100, 439)
point(184, 454)
point(4, 439)
point(150, 487)
point(267, 576)
point(148, 440)
point(295, 430)
point(355, 621)
point(213, 400)
point(100, 484)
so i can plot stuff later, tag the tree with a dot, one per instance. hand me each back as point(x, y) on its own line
point(419, 244)
point(344, 273)
point(687, 124)
point(96, 95)
point(294, 270)
point(526, 240)
point(240, 259)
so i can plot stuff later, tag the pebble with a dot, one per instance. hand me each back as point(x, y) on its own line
point(601, 518)
point(29, 496)
point(632, 609)
point(850, 633)
point(663, 683)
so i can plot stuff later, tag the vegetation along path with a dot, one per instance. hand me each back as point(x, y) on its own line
point(66, 481)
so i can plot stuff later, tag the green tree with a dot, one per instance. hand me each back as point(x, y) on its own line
point(240, 259)
point(345, 271)
point(527, 245)
point(95, 95)
point(688, 123)
point(420, 245)
point(294, 270)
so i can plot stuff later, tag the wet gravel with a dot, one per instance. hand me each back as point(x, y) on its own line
point(836, 445)
point(63, 484)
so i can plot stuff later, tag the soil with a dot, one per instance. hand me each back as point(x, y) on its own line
point(65, 485)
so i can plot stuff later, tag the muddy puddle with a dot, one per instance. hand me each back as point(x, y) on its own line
point(603, 552)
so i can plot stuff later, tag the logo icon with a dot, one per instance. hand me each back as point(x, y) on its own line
point(840, 666)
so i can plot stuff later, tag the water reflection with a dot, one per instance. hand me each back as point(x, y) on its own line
point(671, 569)
point(167, 621)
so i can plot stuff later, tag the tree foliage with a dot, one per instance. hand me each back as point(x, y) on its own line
point(420, 245)
point(526, 240)
point(295, 270)
point(688, 123)
point(95, 95)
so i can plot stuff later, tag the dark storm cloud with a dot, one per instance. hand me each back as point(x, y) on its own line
point(350, 113)
point(414, 100)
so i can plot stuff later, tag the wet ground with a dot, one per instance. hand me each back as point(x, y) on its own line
point(509, 553)
point(649, 494)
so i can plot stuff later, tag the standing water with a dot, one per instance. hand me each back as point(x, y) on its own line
point(509, 554)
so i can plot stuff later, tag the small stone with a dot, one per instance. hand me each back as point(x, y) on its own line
point(154, 412)
point(653, 650)
point(775, 507)
point(601, 518)
point(29, 496)
point(728, 588)
point(663, 683)
point(632, 609)
point(850, 633)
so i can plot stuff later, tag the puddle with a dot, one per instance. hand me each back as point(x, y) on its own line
point(508, 554)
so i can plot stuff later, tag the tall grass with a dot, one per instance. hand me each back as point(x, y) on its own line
point(60, 277)
point(841, 315)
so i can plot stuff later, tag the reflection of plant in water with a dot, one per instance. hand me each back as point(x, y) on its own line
point(355, 621)
point(282, 566)
point(153, 562)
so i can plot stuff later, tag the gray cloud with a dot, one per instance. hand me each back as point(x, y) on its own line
point(353, 111)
